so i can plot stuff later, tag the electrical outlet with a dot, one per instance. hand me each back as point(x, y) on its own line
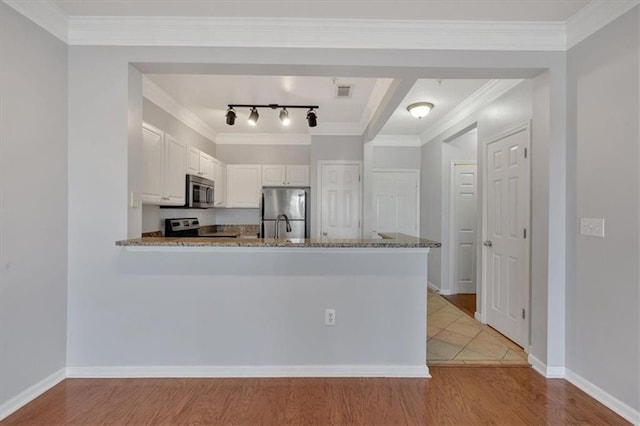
point(592, 227)
point(330, 317)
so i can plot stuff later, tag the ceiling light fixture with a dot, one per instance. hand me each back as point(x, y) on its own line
point(231, 116)
point(420, 109)
point(312, 117)
point(253, 117)
point(284, 117)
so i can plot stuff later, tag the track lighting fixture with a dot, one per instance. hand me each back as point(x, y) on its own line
point(312, 117)
point(253, 117)
point(284, 117)
point(231, 116)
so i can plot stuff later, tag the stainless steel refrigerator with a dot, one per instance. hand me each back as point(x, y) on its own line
point(291, 205)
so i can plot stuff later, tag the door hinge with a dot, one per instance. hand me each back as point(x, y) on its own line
point(524, 233)
point(523, 313)
point(359, 178)
point(526, 152)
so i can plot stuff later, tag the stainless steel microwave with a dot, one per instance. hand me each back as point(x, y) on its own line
point(199, 192)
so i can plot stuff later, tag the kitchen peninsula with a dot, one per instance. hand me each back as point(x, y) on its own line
point(264, 307)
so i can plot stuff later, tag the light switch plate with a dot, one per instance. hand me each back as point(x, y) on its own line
point(134, 200)
point(592, 227)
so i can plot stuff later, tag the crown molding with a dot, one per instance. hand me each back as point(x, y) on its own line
point(318, 33)
point(46, 14)
point(594, 16)
point(486, 94)
point(263, 139)
point(158, 96)
point(397, 140)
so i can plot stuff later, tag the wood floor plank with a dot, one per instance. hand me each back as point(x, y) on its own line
point(453, 396)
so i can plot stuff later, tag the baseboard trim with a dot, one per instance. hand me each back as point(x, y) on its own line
point(31, 393)
point(433, 287)
point(544, 370)
point(629, 413)
point(409, 371)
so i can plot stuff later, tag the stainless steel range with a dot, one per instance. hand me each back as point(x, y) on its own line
point(182, 227)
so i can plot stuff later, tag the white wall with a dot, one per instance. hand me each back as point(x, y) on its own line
point(463, 148)
point(603, 304)
point(33, 195)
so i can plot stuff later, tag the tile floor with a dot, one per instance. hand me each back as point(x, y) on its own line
point(454, 338)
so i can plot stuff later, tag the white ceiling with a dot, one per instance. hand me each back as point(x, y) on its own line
point(207, 97)
point(443, 94)
point(471, 10)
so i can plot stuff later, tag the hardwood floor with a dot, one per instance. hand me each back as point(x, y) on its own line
point(465, 302)
point(454, 396)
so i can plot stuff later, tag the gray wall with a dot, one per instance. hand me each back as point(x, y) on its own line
point(392, 157)
point(603, 309)
point(431, 205)
point(33, 195)
point(264, 154)
point(161, 119)
point(539, 214)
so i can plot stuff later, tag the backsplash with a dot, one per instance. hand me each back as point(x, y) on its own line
point(237, 216)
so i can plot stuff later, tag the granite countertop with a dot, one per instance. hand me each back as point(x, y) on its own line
point(390, 240)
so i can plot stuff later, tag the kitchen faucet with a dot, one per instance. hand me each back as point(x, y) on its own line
point(286, 219)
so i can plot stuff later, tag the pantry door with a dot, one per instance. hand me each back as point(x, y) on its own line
point(340, 200)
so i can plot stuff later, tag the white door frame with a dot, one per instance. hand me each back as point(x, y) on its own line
point(417, 173)
point(526, 126)
point(453, 288)
point(320, 164)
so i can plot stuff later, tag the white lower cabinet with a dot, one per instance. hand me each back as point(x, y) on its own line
point(165, 162)
point(279, 175)
point(244, 182)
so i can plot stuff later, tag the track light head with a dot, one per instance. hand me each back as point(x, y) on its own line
point(284, 117)
point(312, 118)
point(253, 117)
point(231, 116)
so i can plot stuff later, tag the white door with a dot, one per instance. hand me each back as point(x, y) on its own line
point(340, 201)
point(507, 224)
point(174, 172)
point(463, 229)
point(396, 200)
point(152, 151)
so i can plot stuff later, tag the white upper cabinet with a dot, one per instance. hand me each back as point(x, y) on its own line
point(279, 175)
point(220, 191)
point(152, 141)
point(297, 175)
point(164, 168)
point(193, 161)
point(174, 172)
point(244, 182)
point(273, 175)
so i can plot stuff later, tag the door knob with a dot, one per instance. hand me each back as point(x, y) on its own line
point(324, 233)
point(488, 243)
